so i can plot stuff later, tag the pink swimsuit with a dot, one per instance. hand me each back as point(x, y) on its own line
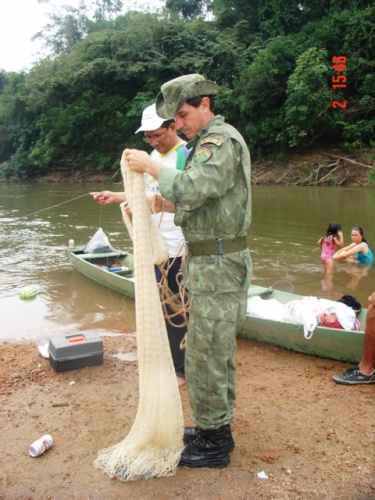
point(328, 249)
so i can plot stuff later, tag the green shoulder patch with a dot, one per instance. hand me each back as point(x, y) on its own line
point(202, 155)
point(211, 140)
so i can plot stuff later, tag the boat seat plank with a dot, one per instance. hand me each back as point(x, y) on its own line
point(101, 255)
point(255, 290)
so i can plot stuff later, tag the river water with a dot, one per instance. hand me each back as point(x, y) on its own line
point(37, 222)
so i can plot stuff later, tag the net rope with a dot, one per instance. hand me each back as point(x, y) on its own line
point(154, 444)
point(174, 304)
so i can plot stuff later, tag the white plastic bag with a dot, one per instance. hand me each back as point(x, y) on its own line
point(99, 243)
point(345, 315)
point(303, 315)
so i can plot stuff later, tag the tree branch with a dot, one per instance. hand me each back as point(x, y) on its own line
point(349, 160)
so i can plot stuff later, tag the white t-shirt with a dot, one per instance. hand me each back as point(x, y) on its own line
point(164, 221)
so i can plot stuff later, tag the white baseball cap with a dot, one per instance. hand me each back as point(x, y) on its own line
point(150, 120)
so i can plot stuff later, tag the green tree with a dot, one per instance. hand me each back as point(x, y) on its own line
point(64, 29)
point(261, 92)
point(230, 12)
point(308, 98)
point(106, 9)
point(70, 25)
point(348, 33)
point(279, 17)
point(316, 9)
point(17, 128)
point(188, 9)
point(273, 60)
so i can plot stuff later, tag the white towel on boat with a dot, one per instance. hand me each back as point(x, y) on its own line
point(268, 309)
point(305, 311)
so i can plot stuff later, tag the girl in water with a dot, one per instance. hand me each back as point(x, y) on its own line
point(328, 244)
point(358, 251)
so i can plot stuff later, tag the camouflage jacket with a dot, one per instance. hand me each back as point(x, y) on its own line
point(212, 195)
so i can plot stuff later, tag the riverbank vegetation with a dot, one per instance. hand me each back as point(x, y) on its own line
point(295, 76)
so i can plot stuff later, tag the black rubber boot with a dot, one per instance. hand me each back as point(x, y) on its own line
point(190, 433)
point(208, 449)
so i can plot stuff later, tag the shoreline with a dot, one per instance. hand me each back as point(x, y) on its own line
point(314, 167)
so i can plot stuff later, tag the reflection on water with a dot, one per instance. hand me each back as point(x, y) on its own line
point(37, 224)
point(356, 273)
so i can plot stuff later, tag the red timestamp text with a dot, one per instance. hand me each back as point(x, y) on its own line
point(339, 78)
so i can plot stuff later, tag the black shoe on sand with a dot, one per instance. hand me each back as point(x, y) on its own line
point(353, 376)
point(208, 449)
point(190, 433)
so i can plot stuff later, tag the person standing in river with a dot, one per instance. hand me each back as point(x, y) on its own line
point(212, 198)
point(327, 243)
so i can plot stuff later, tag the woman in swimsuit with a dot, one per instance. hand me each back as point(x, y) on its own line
point(328, 244)
point(358, 251)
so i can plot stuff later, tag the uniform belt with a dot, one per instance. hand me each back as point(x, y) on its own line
point(216, 247)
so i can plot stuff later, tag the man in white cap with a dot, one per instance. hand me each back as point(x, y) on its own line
point(170, 150)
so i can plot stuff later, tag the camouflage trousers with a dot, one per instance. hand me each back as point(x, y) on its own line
point(214, 322)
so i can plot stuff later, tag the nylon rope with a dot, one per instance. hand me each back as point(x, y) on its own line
point(173, 304)
point(58, 205)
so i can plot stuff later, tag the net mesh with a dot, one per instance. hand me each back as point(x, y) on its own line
point(154, 444)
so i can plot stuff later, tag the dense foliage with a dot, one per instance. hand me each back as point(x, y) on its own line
point(80, 107)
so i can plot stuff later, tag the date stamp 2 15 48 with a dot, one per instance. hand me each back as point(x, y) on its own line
point(339, 78)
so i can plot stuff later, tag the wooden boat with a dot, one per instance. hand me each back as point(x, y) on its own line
point(325, 342)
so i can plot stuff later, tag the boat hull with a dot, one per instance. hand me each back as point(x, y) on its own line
point(332, 343)
point(329, 343)
point(94, 266)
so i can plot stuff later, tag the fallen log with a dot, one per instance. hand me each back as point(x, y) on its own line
point(349, 160)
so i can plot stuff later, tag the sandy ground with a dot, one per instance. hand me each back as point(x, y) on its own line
point(312, 438)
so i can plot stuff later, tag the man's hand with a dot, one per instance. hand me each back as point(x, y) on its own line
point(137, 160)
point(162, 205)
point(141, 162)
point(108, 197)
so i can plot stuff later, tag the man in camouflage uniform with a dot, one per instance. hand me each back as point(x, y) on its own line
point(212, 200)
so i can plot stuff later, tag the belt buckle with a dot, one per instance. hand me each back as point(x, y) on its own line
point(219, 243)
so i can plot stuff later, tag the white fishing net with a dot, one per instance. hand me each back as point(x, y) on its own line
point(154, 444)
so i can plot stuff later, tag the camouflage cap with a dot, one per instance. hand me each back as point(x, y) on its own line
point(176, 92)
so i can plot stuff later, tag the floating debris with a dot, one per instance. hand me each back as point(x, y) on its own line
point(28, 293)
